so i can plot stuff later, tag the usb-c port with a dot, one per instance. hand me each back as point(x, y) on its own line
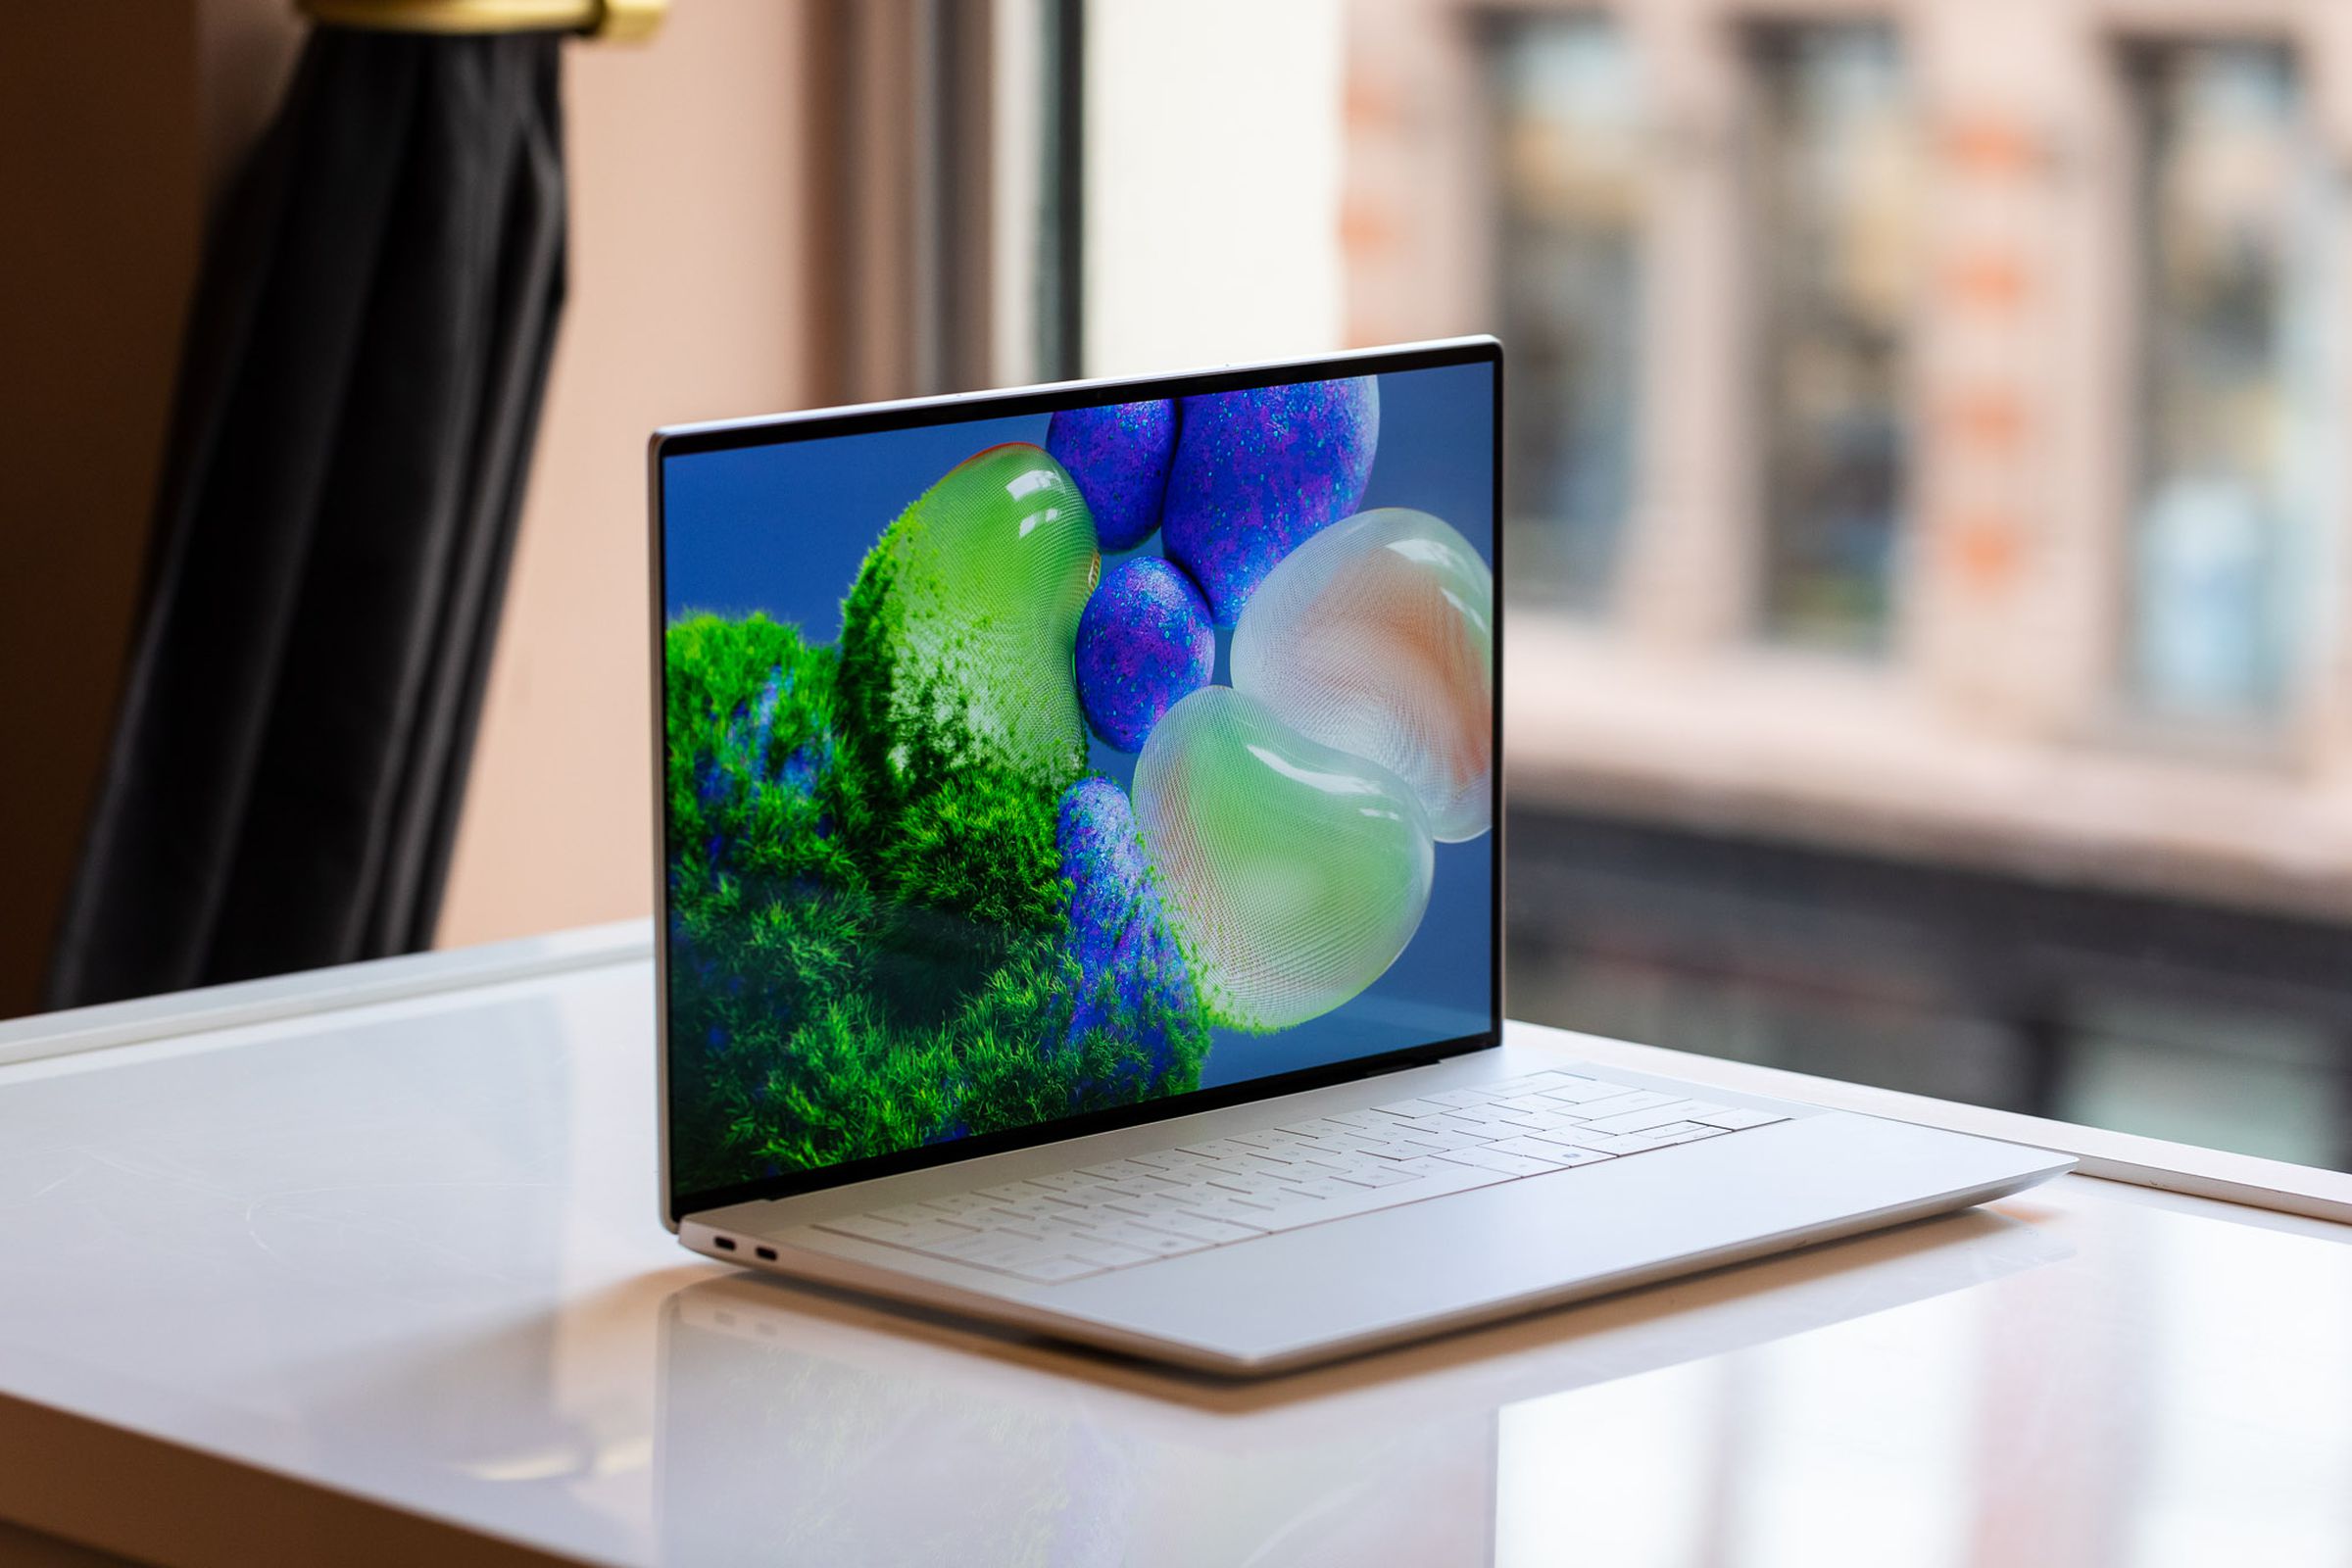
point(725, 1244)
point(767, 1254)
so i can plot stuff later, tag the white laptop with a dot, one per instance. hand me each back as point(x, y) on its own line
point(1081, 883)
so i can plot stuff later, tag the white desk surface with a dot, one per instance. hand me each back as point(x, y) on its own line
point(368, 1271)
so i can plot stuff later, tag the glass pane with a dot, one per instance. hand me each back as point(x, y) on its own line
point(1567, 203)
point(1935, 439)
point(1833, 182)
point(2221, 530)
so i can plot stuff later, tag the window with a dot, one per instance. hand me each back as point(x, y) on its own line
point(2063, 435)
point(1567, 194)
point(1833, 179)
point(2232, 402)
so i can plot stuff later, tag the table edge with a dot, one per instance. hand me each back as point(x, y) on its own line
point(2246, 1180)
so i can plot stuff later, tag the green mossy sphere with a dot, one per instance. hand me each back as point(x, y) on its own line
point(957, 636)
point(858, 962)
point(960, 704)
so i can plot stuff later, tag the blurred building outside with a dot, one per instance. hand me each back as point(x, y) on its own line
point(1925, 421)
point(1924, 515)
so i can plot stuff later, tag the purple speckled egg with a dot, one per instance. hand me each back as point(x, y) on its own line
point(1144, 643)
point(1258, 473)
point(1120, 456)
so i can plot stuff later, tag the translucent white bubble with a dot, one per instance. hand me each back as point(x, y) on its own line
point(1377, 637)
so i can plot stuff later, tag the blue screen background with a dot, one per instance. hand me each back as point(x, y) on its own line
point(783, 529)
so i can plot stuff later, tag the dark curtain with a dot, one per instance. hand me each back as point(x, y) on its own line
point(365, 357)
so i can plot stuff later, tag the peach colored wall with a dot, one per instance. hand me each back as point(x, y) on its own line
point(691, 253)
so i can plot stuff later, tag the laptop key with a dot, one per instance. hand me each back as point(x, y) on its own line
point(1424, 1145)
point(1446, 1178)
point(1159, 1181)
point(1110, 1254)
point(976, 1243)
point(1232, 1213)
point(865, 1227)
point(1503, 1087)
point(1526, 1147)
point(1014, 1191)
point(1626, 1099)
point(1216, 1232)
point(1330, 1188)
point(1582, 1091)
point(1159, 1243)
point(1193, 1197)
point(1254, 1196)
point(1054, 1270)
point(1218, 1148)
point(1642, 1121)
point(1194, 1168)
point(1068, 1180)
point(925, 1233)
point(1506, 1164)
point(1622, 1144)
point(1001, 1251)
point(1735, 1119)
point(1384, 1176)
point(1415, 1109)
point(1117, 1170)
point(1238, 1185)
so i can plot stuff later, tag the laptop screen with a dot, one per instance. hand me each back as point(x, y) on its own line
point(1040, 764)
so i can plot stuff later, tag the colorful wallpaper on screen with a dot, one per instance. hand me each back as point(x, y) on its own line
point(1020, 768)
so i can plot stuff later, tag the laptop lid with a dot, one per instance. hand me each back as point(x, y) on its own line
point(1037, 762)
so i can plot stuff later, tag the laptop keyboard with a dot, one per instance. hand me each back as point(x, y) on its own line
point(1071, 1224)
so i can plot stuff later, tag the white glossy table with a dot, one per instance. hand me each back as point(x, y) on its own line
point(363, 1267)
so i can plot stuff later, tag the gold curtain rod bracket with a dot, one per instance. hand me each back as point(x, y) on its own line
point(608, 21)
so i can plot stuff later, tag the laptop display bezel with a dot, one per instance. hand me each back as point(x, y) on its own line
point(688, 440)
